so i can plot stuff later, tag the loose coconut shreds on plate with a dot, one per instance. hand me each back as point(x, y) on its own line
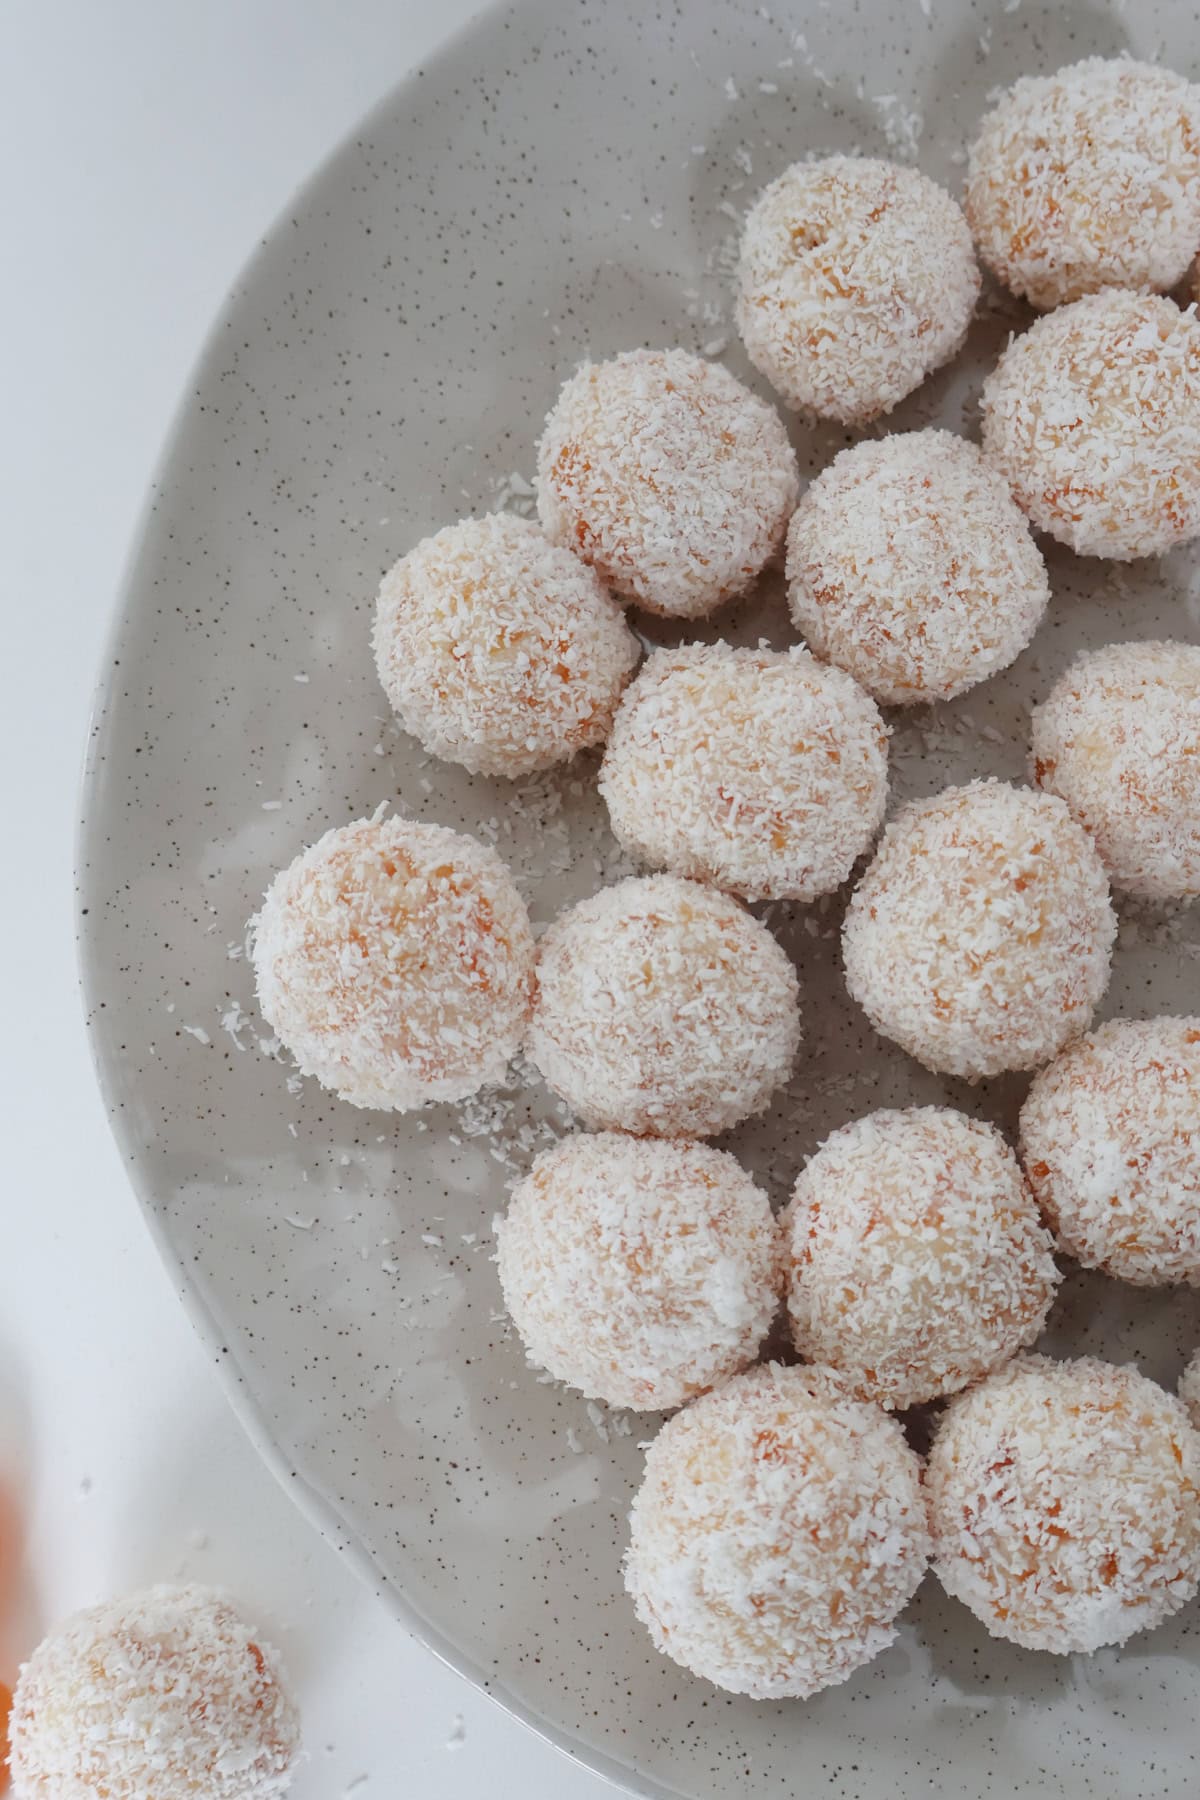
point(669, 477)
point(500, 650)
point(778, 1531)
point(167, 1693)
point(637, 1270)
point(981, 935)
point(662, 1007)
point(1086, 179)
point(1119, 740)
point(911, 566)
point(857, 278)
point(1093, 418)
point(394, 959)
point(1064, 1501)
point(759, 771)
point(917, 1260)
point(1110, 1138)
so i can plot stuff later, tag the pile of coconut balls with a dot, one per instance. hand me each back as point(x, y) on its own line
point(784, 1519)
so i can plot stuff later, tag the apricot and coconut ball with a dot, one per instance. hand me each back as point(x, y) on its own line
point(1110, 1137)
point(857, 277)
point(394, 960)
point(981, 935)
point(762, 772)
point(1064, 1502)
point(778, 1531)
point(500, 650)
point(669, 477)
point(641, 1271)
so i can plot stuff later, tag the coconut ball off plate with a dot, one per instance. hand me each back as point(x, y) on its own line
point(500, 650)
point(778, 1531)
point(663, 1008)
point(1110, 1137)
point(857, 277)
point(759, 771)
point(1118, 739)
point(911, 567)
point(1088, 178)
point(1093, 418)
point(980, 937)
point(1064, 1503)
point(641, 1271)
point(669, 477)
point(917, 1261)
point(163, 1695)
point(394, 960)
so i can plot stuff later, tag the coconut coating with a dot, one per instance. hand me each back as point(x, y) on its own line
point(1110, 1136)
point(1119, 740)
point(663, 1007)
point(760, 771)
point(1087, 179)
point(668, 476)
point(500, 650)
point(395, 961)
point(916, 1258)
point(857, 277)
point(641, 1271)
point(1064, 1501)
point(778, 1531)
point(1189, 1387)
point(980, 937)
point(167, 1693)
point(1093, 418)
point(911, 566)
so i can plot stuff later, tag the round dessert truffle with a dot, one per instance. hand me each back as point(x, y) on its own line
point(857, 277)
point(917, 1260)
point(1110, 1136)
point(1064, 1500)
point(664, 1008)
point(911, 566)
point(760, 771)
point(981, 935)
point(395, 961)
point(778, 1531)
point(638, 1270)
point(1093, 419)
point(500, 650)
point(1189, 1387)
point(1119, 741)
point(668, 476)
point(1088, 179)
point(166, 1693)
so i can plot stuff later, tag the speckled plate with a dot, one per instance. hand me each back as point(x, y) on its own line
point(561, 180)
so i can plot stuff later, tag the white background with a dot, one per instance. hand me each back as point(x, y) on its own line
point(147, 145)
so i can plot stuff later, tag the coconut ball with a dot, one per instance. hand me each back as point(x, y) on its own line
point(500, 650)
point(1093, 419)
point(778, 1531)
point(1189, 1387)
point(917, 1260)
point(663, 1007)
point(1088, 179)
point(395, 961)
point(857, 277)
point(1119, 741)
point(1110, 1136)
point(1064, 1501)
point(166, 1693)
point(668, 476)
point(762, 772)
point(911, 566)
point(639, 1270)
point(980, 937)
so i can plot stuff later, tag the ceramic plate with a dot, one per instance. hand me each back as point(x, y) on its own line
point(560, 181)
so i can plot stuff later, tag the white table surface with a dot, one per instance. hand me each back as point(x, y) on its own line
point(147, 145)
